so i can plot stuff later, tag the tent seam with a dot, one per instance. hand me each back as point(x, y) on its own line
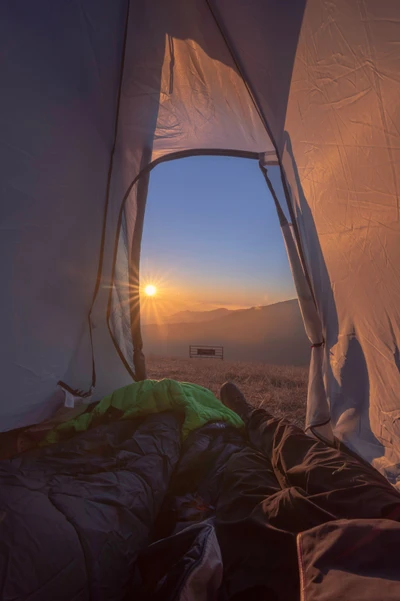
point(108, 187)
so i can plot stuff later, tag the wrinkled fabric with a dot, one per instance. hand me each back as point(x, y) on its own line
point(76, 514)
point(128, 510)
point(342, 160)
point(94, 95)
point(85, 518)
point(355, 559)
point(285, 485)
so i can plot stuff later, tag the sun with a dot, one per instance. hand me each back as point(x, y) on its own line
point(150, 290)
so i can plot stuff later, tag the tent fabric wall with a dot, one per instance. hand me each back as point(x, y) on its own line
point(59, 71)
point(263, 37)
point(342, 158)
point(95, 92)
point(66, 161)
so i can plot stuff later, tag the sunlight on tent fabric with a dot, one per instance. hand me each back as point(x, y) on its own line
point(189, 115)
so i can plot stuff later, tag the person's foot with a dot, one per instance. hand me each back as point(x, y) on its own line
point(235, 400)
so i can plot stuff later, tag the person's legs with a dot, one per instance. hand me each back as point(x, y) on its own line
point(288, 484)
point(256, 524)
point(338, 483)
point(259, 562)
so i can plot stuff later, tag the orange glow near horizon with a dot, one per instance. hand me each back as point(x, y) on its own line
point(162, 296)
point(157, 298)
point(174, 294)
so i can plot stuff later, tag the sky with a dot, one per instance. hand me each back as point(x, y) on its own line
point(211, 238)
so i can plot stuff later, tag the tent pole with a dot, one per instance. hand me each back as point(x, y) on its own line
point(318, 412)
point(134, 273)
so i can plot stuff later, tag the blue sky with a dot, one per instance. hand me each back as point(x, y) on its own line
point(211, 236)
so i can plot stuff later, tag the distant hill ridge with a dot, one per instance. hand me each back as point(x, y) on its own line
point(196, 316)
point(271, 334)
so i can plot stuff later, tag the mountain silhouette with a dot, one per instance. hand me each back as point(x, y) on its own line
point(196, 316)
point(273, 334)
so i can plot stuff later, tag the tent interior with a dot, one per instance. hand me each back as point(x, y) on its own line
point(95, 94)
point(310, 87)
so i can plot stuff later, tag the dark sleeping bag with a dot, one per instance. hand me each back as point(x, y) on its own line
point(127, 511)
point(76, 515)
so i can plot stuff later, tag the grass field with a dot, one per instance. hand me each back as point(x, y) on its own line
point(281, 390)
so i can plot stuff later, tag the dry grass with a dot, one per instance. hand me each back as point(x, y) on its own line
point(281, 390)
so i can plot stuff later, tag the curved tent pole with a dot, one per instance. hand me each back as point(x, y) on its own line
point(134, 277)
point(291, 233)
point(135, 255)
point(318, 418)
point(134, 274)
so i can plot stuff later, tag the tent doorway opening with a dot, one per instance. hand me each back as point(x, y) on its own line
point(214, 267)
